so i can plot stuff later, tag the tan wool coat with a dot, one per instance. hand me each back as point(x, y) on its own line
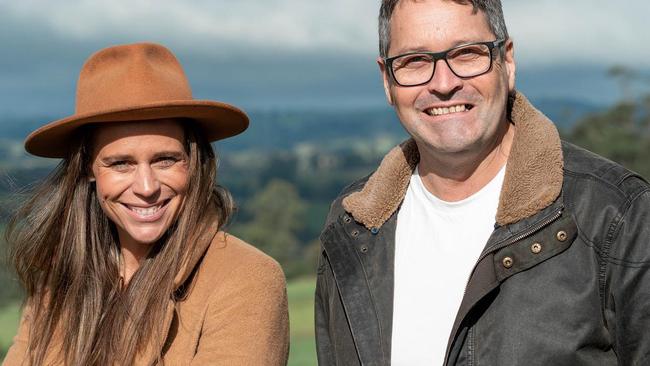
point(235, 312)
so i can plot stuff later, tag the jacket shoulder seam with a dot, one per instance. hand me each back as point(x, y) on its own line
point(615, 187)
point(622, 213)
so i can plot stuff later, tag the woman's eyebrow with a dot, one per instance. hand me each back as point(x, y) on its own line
point(170, 153)
point(115, 157)
point(157, 155)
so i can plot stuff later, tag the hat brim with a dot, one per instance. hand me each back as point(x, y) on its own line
point(215, 119)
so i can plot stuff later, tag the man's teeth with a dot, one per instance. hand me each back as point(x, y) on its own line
point(148, 211)
point(446, 110)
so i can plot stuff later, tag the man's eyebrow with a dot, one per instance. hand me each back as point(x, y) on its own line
point(410, 50)
point(457, 43)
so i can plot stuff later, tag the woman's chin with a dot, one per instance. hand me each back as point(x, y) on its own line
point(142, 236)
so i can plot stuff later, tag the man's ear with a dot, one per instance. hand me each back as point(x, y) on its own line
point(509, 63)
point(386, 79)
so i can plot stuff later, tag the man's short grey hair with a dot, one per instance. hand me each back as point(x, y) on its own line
point(491, 8)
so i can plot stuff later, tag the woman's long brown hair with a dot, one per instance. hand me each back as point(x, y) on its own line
point(67, 256)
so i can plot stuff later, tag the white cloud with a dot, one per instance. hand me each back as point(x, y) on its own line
point(579, 31)
point(545, 31)
point(275, 24)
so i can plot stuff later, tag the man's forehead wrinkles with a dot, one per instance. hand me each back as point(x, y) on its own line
point(435, 26)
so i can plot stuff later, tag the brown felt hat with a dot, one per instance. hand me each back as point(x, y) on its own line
point(134, 82)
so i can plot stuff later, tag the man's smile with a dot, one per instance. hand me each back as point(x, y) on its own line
point(439, 111)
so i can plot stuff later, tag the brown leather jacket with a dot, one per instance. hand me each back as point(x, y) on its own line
point(563, 280)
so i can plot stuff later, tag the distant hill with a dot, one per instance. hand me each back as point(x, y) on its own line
point(17, 128)
point(286, 130)
point(565, 113)
point(273, 130)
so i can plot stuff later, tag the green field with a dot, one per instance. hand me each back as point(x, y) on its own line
point(9, 318)
point(301, 314)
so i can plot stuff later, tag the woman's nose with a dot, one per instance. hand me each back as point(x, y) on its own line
point(145, 182)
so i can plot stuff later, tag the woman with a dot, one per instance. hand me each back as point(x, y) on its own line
point(120, 249)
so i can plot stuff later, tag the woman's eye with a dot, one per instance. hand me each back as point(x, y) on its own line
point(166, 162)
point(120, 165)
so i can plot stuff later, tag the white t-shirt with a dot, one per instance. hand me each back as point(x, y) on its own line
point(437, 244)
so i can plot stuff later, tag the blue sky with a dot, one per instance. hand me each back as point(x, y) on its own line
point(268, 54)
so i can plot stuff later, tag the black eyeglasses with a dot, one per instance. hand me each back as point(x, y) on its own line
point(465, 61)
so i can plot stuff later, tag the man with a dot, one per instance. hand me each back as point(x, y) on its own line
point(484, 239)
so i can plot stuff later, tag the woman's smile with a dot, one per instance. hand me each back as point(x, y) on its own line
point(149, 213)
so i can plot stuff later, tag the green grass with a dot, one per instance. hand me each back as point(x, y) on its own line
point(301, 315)
point(9, 319)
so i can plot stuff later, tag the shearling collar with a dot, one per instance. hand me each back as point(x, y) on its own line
point(533, 177)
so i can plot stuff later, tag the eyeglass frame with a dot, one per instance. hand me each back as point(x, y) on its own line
point(436, 56)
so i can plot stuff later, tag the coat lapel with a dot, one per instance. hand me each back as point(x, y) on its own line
point(356, 296)
point(157, 345)
point(149, 355)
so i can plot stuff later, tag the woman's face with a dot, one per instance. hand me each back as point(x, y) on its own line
point(141, 174)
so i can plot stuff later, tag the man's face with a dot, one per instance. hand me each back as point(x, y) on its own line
point(434, 26)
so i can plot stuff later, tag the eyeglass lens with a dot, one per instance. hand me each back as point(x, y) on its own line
point(466, 61)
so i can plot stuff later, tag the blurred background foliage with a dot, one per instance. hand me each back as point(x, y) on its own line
point(289, 166)
point(622, 132)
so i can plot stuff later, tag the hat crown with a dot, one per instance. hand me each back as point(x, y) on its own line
point(131, 83)
point(130, 75)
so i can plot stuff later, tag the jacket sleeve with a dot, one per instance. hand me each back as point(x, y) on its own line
point(321, 314)
point(17, 353)
point(627, 309)
point(247, 321)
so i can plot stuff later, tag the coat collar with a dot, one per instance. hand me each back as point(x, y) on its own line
point(533, 177)
point(208, 236)
point(208, 231)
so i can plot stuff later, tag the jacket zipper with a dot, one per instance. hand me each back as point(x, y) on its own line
point(507, 242)
point(517, 238)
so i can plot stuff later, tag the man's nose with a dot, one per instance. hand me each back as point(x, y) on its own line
point(145, 182)
point(444, 81)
